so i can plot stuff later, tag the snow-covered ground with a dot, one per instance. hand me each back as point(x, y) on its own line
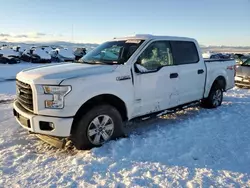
point(8, 74)
point(192, 148)
point(9, 71)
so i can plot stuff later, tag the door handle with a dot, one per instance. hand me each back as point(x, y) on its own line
point(173, 75)
point(200, 71)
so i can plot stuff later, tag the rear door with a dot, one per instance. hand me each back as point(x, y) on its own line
point(191, 71)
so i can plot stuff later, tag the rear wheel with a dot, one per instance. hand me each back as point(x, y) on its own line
point(214, 98)
point(96, 127)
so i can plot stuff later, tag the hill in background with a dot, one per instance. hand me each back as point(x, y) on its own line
point(229, 49)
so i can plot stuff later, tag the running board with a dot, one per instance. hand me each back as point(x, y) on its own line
point(169, 111)
point(179, 108)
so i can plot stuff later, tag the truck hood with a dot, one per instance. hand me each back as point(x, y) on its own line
point(55, 74)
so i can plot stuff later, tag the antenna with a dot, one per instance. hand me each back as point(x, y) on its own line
point(72, 33)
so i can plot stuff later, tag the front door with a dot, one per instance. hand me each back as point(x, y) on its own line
point(155, 86)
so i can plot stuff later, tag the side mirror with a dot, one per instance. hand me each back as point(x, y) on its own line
point(138, 62)
point(139, 68)
point(121, 61)
point(136, 69)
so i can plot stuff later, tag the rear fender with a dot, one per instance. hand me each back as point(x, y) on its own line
point(212, 76)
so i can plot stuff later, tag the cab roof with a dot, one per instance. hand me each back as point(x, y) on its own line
point(150, 37)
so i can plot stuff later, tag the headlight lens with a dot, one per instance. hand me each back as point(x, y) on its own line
point(58, 92)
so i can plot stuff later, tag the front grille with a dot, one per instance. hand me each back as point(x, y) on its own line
point(24, 95)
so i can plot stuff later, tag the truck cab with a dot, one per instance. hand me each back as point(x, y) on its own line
point(120, 80)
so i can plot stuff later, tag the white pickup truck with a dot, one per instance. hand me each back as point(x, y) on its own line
point(120, 80)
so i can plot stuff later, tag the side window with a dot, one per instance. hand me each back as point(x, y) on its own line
point(156, 55)
point(184, 52)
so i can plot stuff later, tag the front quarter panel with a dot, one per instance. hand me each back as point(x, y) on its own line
point(85, 88)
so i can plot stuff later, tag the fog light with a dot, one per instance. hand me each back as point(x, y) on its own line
point(46, 126)
point(51, 125)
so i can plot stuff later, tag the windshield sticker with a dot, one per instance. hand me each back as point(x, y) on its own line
point(135, 41)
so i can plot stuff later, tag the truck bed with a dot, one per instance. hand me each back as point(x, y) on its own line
point(217, 68)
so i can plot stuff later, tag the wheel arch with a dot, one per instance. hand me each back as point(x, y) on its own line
point(221, 81)
point(110, 99)
point(206, 102)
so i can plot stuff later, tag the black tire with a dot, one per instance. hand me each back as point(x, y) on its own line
point(216, 93)
point(13, 61)
point(80, 136)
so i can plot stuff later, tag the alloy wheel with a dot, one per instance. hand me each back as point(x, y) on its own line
point(100, 129)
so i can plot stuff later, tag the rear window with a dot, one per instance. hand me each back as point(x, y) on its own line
point(184, 52)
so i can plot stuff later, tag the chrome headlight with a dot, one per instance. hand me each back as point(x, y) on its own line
point(58, 92)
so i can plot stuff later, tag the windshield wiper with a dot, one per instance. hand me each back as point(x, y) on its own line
point(96, 62)
point(86, 62)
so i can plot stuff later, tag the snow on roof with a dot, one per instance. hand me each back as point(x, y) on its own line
point(69, 53)
point(8, 52)
point(43, 54)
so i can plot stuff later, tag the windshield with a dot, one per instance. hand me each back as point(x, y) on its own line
point(113, 52)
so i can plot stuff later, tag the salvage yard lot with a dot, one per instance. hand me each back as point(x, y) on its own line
point(195, 147)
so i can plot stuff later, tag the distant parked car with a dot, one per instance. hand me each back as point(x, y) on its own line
point(26, 55)
point(220, 56)
point(242, 78)
point(240, 58)
point(36, 55)
point(5, 51)
point(66, 54)
point(39, 55)
point(79, 53)
point(9, 56)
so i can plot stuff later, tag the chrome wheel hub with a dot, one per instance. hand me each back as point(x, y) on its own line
point(217, 97)
point(100, 129)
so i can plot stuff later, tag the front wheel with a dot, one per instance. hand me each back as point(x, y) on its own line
point(214, 98)
point(101, 124)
